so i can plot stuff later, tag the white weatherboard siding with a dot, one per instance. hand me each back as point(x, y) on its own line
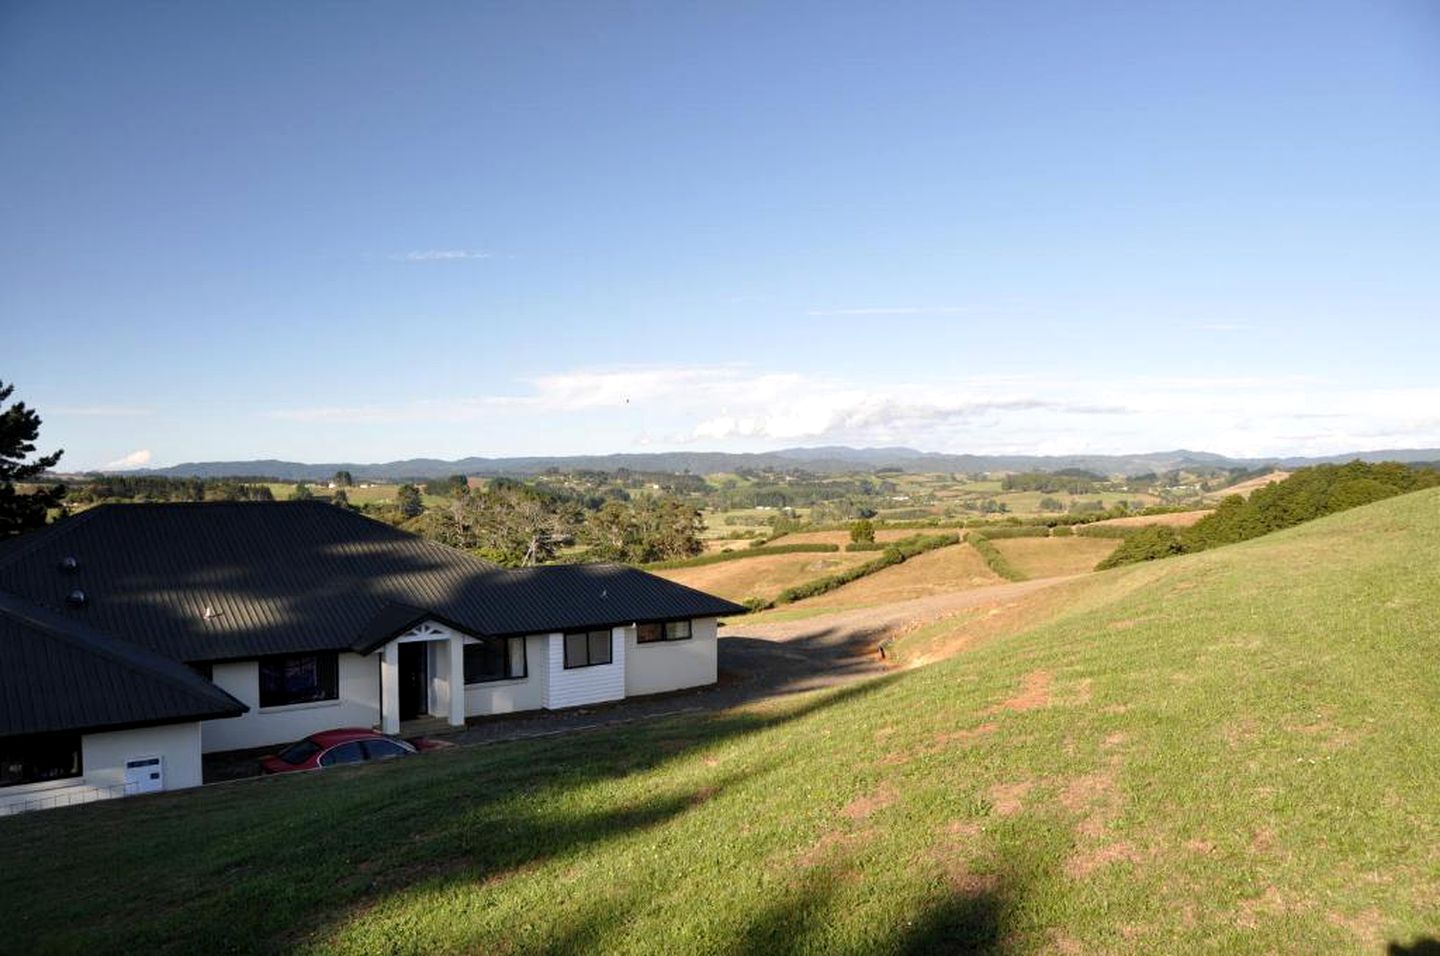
point(659, 666)
point(357, 706)
point(584, 685)
point(509, 696)
point(103, 757)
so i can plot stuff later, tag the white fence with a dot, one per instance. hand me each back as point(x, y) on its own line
point(67, 796)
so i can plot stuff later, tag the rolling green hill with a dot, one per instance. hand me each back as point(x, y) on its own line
point(1237, 750)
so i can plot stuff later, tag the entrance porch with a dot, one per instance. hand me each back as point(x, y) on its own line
point(422, 677)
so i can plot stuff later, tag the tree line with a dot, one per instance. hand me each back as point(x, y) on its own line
point(1307, 494)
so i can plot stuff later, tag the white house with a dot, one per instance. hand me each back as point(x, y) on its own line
point(282, 619)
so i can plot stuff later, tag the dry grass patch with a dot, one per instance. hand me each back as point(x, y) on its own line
point(1054, 557)
point(1177, 519)
point(954, 568)
point(762, 577)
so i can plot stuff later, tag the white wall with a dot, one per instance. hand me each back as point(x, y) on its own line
point(671, 665)
point(358, 706)
point(102, 758)
point(584, 685)
point(509, 696)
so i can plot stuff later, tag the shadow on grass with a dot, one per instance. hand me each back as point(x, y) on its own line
point(270, 862)
point(1420, 946)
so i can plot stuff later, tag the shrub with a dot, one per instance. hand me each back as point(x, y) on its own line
point(1150, 543)
point(1062, 531)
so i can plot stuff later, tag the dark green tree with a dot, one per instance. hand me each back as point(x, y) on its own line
point(302, 492)
point(341, 499)
point(343, 479)
point(26, 510)
point(863, 531)
point(407, 496)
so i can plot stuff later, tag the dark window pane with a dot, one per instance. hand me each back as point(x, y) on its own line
point(384, 749)
point(648, 633)
point(599, 647)
point(298, 679)
point(486, 660)
point(345, 753)
point(575, 655)
point(677, 630)
point(38, 758)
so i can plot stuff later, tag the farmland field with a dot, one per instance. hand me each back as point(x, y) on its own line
point(1232, 751)
point(954, 568)
point(764, 576)
point(1053, 557)
point(1176, 519)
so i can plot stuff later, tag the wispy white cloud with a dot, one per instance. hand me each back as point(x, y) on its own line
point(136, 459)
point(896, 310)
point(441, 255)
point(740, 406)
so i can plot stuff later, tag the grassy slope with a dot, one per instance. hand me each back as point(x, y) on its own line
point(1232, 751)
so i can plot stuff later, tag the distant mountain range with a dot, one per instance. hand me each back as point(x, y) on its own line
point(826, 460)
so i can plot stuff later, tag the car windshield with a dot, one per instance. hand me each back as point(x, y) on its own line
point(299, 752)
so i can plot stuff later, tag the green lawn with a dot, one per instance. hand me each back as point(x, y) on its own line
point(1235, 751)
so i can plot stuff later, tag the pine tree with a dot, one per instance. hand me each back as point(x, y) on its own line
point(19, 427)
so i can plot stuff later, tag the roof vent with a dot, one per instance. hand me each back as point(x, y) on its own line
point(76, 598)
point(69, 564)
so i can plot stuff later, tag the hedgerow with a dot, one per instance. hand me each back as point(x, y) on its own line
point(753, 552)
point(896, 552)
point(993, 558)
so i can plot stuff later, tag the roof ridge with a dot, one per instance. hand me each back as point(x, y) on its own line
point(90, 639)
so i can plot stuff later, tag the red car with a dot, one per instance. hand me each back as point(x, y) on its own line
point(330, 748)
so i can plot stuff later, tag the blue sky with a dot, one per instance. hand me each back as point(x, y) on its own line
point(348, 231)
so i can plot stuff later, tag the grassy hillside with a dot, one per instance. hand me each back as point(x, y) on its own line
point(1231, 751)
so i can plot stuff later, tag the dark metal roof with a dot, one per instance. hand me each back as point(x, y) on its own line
point(285, 577)
point(59, 674)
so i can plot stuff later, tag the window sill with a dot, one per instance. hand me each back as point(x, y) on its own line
point(678, 640)
point(308, 705)
point(503, 682)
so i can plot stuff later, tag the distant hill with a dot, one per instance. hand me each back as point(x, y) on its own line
point(825, 460)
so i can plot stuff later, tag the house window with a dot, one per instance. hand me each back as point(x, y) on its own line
point(666, 631)
point(494, 658)
point(38, 758)
point(299, 679)
point(587, 648)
